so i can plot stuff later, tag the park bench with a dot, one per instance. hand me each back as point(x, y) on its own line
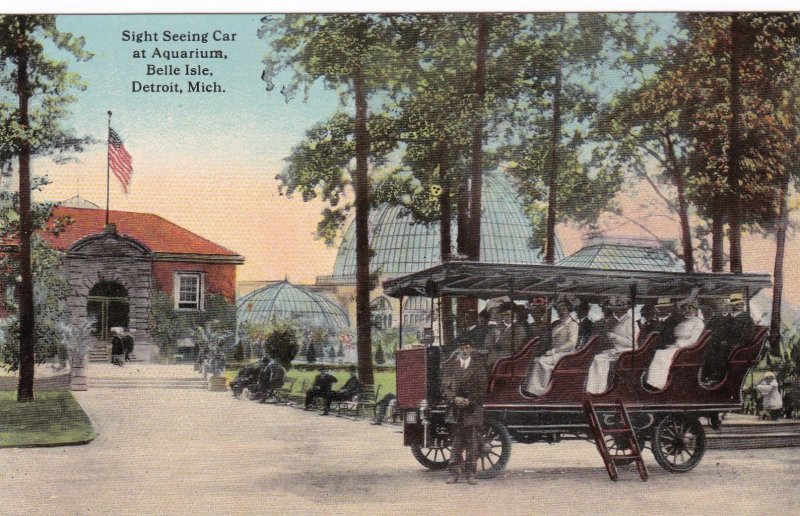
point(300, 396)
point(283, 393)
point(363, 401)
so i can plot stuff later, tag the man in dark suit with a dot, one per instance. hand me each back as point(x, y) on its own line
point(585, 325)
point(667, 332)
point(741, 327)
point(717, 323)
point(464, 389)
point(321, 388)
point(350, 390)
point(271, 378)
point(648, 323)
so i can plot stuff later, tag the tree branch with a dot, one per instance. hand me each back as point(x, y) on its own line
point(640, 226)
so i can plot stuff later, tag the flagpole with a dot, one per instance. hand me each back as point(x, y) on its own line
point(108, 165)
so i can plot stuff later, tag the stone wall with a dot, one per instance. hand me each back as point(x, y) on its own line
point(110, 257)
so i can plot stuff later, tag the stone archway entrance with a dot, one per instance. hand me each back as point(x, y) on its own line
point(108, 304)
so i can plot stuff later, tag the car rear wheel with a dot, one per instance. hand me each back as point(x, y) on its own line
point(679, 443)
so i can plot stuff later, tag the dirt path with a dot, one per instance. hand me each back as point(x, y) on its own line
point(197, 452)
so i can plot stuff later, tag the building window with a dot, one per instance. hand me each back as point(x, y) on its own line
point(189, 290)
point(381, 309)
point(417, 312)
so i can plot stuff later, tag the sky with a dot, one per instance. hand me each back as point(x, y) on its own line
point(207, 161)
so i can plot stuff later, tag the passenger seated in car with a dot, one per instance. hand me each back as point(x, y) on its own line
point(669, 316)
point(539, 324)
point(737, 330)
point(648, 322)
point(585, 325)
point(686, 334)
point(717, 322)
point(618, 340)
point(564, 336)
point(506, 336)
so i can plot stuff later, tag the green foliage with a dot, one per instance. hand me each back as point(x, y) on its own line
point(166, 325)
point(379, 357)
point(564, 56)
point(311, 353)
point(282, 343)
point(51, 85)
point(50, 293)
point(76, 337)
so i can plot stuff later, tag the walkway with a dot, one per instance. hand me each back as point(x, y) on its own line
point(191, 451)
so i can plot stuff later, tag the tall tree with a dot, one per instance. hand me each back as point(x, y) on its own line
point(646, 132)
point(351, 53)
point(562, 55)
point(42, 89)
point(730, 63)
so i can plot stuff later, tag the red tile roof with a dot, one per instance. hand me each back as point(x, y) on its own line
point(160, 235)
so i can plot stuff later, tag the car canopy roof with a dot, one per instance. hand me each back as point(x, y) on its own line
point(487, 280)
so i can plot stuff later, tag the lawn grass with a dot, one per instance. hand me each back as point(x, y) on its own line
point(386, 379)
point(54, 418)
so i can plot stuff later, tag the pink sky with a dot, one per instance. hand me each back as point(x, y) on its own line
point(237, 205)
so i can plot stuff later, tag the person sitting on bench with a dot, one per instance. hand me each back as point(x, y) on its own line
point(321, 388)
point(271, 378)
point(350, 390)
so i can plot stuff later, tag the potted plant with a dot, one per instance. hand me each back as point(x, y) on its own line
point(211, 340)
point(76, 337)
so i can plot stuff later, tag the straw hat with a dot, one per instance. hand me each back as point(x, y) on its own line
point(616, 302)
point(768, 375)
point(496, 302)
point(736, 299)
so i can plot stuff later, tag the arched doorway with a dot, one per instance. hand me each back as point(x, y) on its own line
point(108, 305)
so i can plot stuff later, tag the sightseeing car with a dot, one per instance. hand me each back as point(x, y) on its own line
point(627, 416)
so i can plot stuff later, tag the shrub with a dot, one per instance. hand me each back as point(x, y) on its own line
point(166, 325)
point(311, 353)
point(282, 343)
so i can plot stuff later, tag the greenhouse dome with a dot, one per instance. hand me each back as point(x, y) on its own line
point(402, 247)
point(283, 301)
point(623, 257)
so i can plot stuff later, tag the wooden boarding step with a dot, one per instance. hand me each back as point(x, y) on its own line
point(634, 451)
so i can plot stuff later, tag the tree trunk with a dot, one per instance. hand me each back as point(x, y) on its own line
point(780, 246)
point(361, 186)
point(734, 153)
point(445, 218)
point(718, 238)
point(474, 251)
point(683, 207)
point(552, 171)
point(27, 337)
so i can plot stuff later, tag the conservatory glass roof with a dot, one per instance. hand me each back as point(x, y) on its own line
point(402, 247)
point(623, 258)
point(283, 301)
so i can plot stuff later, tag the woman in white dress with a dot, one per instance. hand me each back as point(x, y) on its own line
point(624, 327)
point(564, 337)
point(686, 334)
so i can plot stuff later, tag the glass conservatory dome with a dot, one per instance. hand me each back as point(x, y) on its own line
point(285, 301)
point(623, 258)
point(402, 247)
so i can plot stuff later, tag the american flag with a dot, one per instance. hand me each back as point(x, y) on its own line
point(119, 160)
